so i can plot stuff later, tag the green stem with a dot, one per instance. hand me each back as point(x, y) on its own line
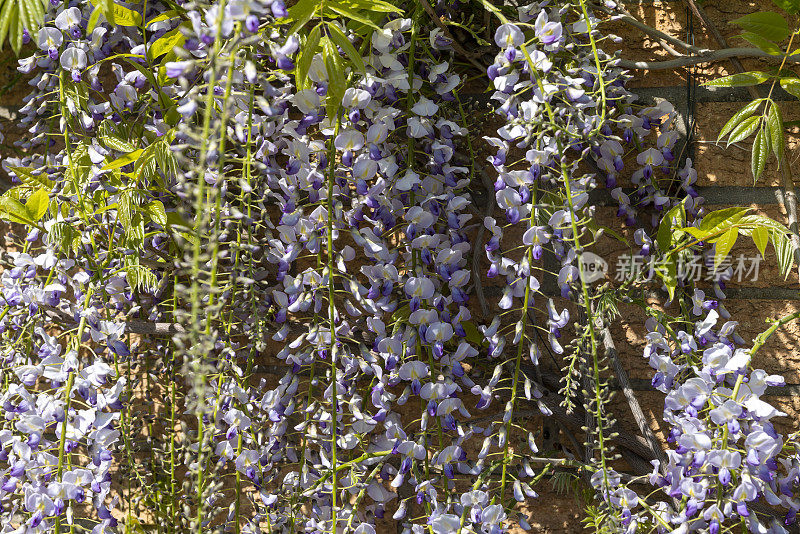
point(331, 206)
point(67, 401)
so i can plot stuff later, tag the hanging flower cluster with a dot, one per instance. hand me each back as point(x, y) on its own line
point(264, 219)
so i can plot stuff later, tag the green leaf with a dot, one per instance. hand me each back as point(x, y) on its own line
point(25, 15)
point(301, 13)
point(775, 126)
point(762, 44)
point(675, 216)
point(744, 130)
point(5, 19)
point(166, 43)
point(139, 276)
point(93, 20)
point(724, 218)
point(348, 13)
point(740, 115)
point(784, 250)
point(767, 24)
point(473, 334)
point(742, 79)
point(668, 272)
point(36, 8)
point(724, 245)
point(125, 209)
point(790, 6)
point(174, 220)
point(15, 35)
point(760, 237)
point(109, 136)
point(791, 86)
point(165, 158)
point(37, 204)
point(754, 221)
point(759, 156)
point(167, 15)
point(374, 5)
point(120, 15)
point(305, 56)
point(146, 165)
point(127, 159)
point(336, 77)
point(27, 176)
point(157, 213)
point(13, 210)
point(344, 43)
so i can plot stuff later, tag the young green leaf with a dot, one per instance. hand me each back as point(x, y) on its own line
point(791, 86)
point(742, 114)
point(37, 204)
point(724, 245)
point(724, 218)
point(790, 6)
point(754, 221)
point(9, 7)
point(127, 159)
point(373, 5)
point(760, 237)
point(667, 271)
point(336, 77)
point(759, 156)
point(762, 44)
point(157, 212)
point(25, 15)
point(166, 43)
point(775, 126)
point(13, 210)
point(16, 32)
point(93, 20)
point(27, 176)
point(767, 24)
point(344, 43)
point(301, 13)
point(744, 130)
point(306, 56)
point(743, 79)
point(120, 15)
point(348, 13)
point(167, 15)
point(674, 217)
point(784, 251)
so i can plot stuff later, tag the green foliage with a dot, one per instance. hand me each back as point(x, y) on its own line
point(17, 15)
point(115, 13)
point(758, 158)
point(791, 86)
point(30, 212)
point(768, 127)
point(740, 116)
point(599, 519)
point(762, 44)
point(359, 17)
point(743, 79)
point(774, 128)
point(790, 6)
point(721, 227)
point(767, 24)
point(166, 44)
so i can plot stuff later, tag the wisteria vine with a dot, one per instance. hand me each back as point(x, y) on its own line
point(258, 278)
